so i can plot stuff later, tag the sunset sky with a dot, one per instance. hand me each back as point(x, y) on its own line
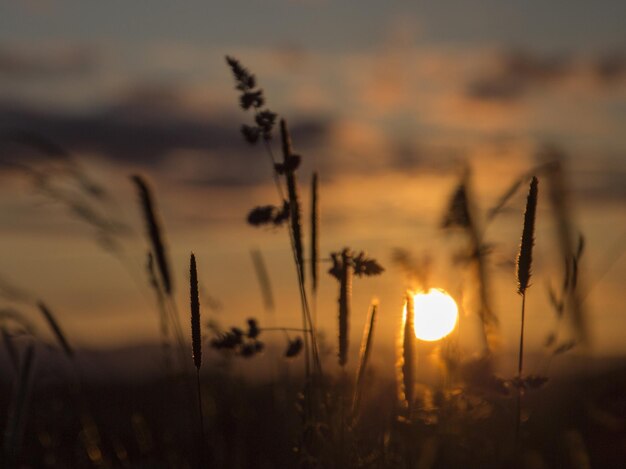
point(386, 101)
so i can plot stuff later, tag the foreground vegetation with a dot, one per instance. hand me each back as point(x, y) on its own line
point(196, 414)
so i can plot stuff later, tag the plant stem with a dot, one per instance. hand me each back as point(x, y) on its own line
point(307, 322)
point(270, 153)
point(519, 372)
point(202, 439)
point(311, 351)
point(521, 340)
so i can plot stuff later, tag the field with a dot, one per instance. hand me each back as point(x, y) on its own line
point(231, 394)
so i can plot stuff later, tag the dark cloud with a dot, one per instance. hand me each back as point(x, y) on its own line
point(496, 89)
point(516, 73)
point(149, 130)
point(43, 64)
point(610, 67)
point(535, 68)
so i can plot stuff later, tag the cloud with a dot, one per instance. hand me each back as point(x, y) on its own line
point(46, 62)
point(516, 72)
point(152, 129)
point(610, 67)
point(355, 112)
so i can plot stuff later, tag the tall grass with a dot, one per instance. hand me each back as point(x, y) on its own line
point(462, 214)
point(435, 427)
point(252, 98)
point(263, 277)
point(314, 251)
point(524, 265)
point(196, 336)
point(153, 229)
point(406, 358)
point(364, 356)
point(164, 328)
point(56, 328)
point(158, 248)
point(566, 239)
point(345, 303)
point(289, 165)
point(196, 344)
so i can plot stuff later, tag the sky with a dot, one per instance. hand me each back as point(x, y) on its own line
point(386, 100)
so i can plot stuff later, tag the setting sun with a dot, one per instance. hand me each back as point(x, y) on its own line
point(435, 314)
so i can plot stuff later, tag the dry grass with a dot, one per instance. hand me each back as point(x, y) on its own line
point(54, 325)
point(153, 229)
point(364, 356)
point(525, 256)
point(462, 420)
point(288, 168)
point(196, 336)
point(462, 214)
point(345, 303)
point(406, 356)
point(315, 220)
point(524, 266)
point(263, 277)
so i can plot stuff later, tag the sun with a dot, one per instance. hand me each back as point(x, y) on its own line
point(436, 314)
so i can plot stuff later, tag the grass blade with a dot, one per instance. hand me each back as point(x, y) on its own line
point(345, 300)
point(263, 278)
point(566, 235)
point(366, 350)
point(292, 192)
point(54, 325)
point(314, 232)
point(154, 231)
point(406, 358)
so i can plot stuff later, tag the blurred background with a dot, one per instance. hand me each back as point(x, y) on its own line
point(387, 101)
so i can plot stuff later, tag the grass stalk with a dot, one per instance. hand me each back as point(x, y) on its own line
point(263, 278)
point(314, 262)
point(292, 193)
point(345, 301)
point(196, 345)
point(520, 363)
point(252, 98)
point(156, 238)
point(406, 362)
point(162, 310)
point(364, 355)
point(196, 338)
point(524, 269)
point(154, 232)
point(58, 332)
point(557, 191)
point(295, 235)
point(462, 214)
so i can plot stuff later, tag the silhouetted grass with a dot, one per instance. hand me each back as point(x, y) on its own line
point(301, 417)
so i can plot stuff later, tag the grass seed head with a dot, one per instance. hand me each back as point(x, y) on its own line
point(154, 231)
point(196, 339)
point(525, 258)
